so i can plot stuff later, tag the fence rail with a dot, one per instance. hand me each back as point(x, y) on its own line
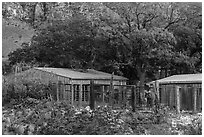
point(98, 94)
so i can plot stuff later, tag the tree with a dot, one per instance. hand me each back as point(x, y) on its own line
point(24, 11)
point(144, 37)
point(139, 41)
point(189, 38)
point(36, 13)
point(141, 32)
point(71, 43)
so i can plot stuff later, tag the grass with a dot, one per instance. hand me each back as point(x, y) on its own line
point(14, 33)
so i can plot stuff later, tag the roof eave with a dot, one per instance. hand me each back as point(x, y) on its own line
point(181, 82)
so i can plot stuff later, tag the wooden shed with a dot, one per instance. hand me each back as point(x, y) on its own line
point(74, 85)
point(183, 90)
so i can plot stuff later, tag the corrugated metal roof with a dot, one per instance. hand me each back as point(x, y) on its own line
point(186, 78)
point(81, 74)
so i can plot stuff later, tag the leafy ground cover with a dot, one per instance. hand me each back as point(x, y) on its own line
point(34, 117)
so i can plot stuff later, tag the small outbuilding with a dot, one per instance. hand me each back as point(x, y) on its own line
point(181, 91)
point(73, 85)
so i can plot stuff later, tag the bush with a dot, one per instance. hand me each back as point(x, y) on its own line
point(195, 128)
point(59, 118)
point(187, 124)
point(22, 88)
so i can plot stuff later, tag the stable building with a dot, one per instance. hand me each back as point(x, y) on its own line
point(73, 85)
point(183, 91)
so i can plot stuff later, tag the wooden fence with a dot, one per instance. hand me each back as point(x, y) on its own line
point(97, 94)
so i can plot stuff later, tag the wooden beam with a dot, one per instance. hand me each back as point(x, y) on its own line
point(57, 83)
point(133, 98)
point(157, 89)
point(92, 95)
point(125, 96)
point(194, 99)
point(103, 94)
point(72, 94)
point(63, 91)
point(57, 91)
point(111, 91)
point(80, 95)
point(178, 105)
point(120, 95)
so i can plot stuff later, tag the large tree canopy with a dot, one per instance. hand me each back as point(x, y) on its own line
point(139, 40)
point(72, 43)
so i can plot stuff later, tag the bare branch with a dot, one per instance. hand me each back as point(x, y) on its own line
point(128, 22)
point(173, 22)
point(138, 21)
point(149, 20)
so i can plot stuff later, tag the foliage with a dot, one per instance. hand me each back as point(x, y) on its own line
point(6, 67)
point(139, 17)
point(153, 39)
point(189, 43)
point(21, 55)
point(15, 90)
point(53, 118)
point(45, 117)
point(72, 43)
point(187, 125)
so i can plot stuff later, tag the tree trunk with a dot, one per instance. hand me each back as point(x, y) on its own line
point(141, 84)
point(32, 14)
point(45, 11)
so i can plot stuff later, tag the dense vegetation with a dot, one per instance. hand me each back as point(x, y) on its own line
point(142, 41)
point(29, 108)
point(45, 117)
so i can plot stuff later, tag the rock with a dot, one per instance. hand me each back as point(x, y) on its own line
point(8, 133)
point(78, 112)
point(47, 115)
point(44, 124)
point(126, 118)
point(19, 113)
point(7, 121)
point(30, 133)
point(21, 129)
point(88, 108)
point(48, 104)
point(31, 127)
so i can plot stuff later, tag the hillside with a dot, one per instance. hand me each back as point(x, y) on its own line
point(14, 33)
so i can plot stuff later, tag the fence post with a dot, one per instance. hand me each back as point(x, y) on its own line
point(157, 89)
point(194, 99)
point(111, 90)
point(72, 93)
point(92, 95)
point(178, 105)
point(120, 96)
point(125, 96)
point(80, 95)
point(133, 99)
point(57, 91)
point(103, 93)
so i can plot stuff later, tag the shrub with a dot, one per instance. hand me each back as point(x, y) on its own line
point(54, 118)
point(22, 88)
point(195, 128)
point(187, 125)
